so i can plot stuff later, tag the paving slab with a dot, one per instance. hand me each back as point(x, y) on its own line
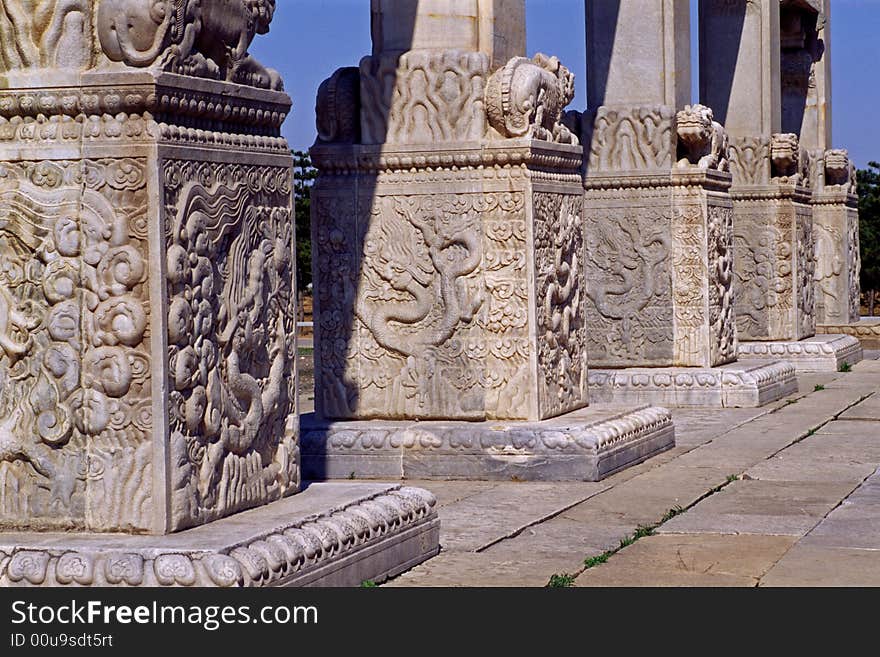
point(696, 427)
point(851, 428)
point(866, 410)
point(705, 560)
point(645, 500)
point(449, 492)
point(806, 463)
point(808, 480)
point(812, 565)
point(761, 507)
point(458, 569)
point(853, 524)
point(481, 519)
point(563, 542)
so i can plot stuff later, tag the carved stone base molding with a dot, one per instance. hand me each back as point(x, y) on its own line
point(867, 331)
point(738, 385)
point(586, 445)
point(332, 534)
point(822, 353)
point(774, 262)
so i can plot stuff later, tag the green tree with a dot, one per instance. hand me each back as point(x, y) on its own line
point(869, 230)
point(304, 175)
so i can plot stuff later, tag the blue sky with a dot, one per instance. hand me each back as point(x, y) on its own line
point(312, 38)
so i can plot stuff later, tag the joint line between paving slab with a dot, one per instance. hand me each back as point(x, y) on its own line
point(819, 522)
point(651, 529)
point(545, 518)
point(815, 430)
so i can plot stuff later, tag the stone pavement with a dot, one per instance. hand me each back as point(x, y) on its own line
point(783, 495)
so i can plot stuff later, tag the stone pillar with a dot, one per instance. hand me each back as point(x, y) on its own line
point(741, 75)
point(658, 217)
point(835, 203)
point(147, 300)
point(758, 69)
point(448, 266)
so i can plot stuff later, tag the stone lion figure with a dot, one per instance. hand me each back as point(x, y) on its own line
point(208, 38)
point(839, 169)
point(702, 141)
point(788, 160)
point(528, 96)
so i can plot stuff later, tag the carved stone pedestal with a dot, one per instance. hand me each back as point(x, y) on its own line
point(836, 238)
point(774, 264)
point(586, 445)
point(659, 244)
point(867, 331)
point(329, 535)
point(449, 292)
point(821, 353)
point(660, 270)
point(737, 385)
point(147, 305)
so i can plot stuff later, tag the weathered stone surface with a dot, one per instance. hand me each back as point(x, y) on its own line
point(636, 53)
point(481, 569)
point(761, 507)
point(672, 304)
point(507, 511)
point(329, 535)
point(704, 560)
point(866, 410)
point(811, 565)
point(147, 291)
point(147, 314)
point(494, 27)
point(738, 40)
point(836, 227)
point(842, 550)
point(587, 445)
point(773, 261)
point(734, 385)
point(756, 65)
point(820, 353)
point(447, 227)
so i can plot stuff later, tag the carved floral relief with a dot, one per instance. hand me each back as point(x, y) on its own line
point(75, 370)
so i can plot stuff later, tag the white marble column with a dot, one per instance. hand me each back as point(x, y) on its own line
point(449, 278)
point(656, 207)
point(742, 77)
point(763, 69)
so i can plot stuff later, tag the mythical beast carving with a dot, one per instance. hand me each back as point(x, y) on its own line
point(788, 160)
point(839, 169)
point(702, 141)
point(208, 38)
point(527, 97)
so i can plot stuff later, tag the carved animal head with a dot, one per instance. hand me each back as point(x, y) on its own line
point(564, 77)
point(785, 154)
point(837, 167)
point(695, 124)
point(262, 12)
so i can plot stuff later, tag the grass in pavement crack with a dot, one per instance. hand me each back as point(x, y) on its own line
point(562, 581)
point(649, 530)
